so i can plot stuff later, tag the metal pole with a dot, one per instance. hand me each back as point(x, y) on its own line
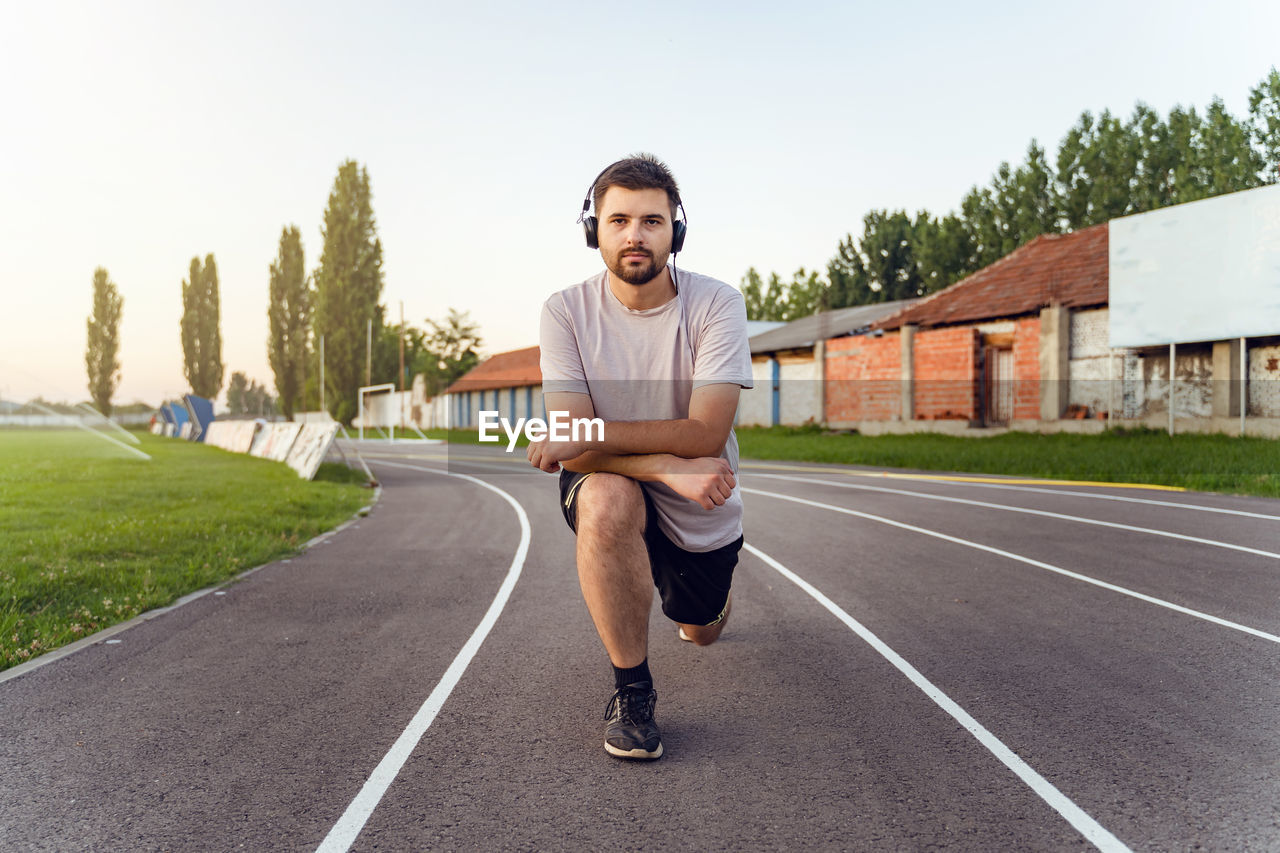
point(322, 408)
point(368, 353)
point(1173, 352)
point(1111, 391)
point(402, 365)
point(1244, 385)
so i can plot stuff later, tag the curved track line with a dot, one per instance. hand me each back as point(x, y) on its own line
point(348, 827)
point(1041, 512)
point(1030, 562)
point(1059, 802)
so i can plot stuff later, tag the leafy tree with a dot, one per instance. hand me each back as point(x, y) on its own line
point(847, 276)
point(806, 295)
point(455, 344)
point(753, 295)
point(1096, 164)
point(348, 285)
point(249, 397)
point(201, 334)
point(1264, 124)
point(885, 248)
point(942, 248)
point(237, 388)
point(289, 319)
point(1226, 154)
point(103, 346)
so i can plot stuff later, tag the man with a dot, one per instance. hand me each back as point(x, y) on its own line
point(660, 355)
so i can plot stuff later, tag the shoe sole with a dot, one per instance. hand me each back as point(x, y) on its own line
point(633, 753)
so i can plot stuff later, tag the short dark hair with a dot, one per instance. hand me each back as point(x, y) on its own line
point(639, 172)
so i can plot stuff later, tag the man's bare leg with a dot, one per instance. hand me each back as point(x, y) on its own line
point(705, 635)
point(613, 565)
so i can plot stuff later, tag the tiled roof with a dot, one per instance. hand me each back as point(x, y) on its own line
point(1064, 269)
point(513, 369)
point(828, 324)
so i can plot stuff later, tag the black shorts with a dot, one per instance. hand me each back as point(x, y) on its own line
point(694, 585)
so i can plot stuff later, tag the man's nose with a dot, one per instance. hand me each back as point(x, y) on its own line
point(633, 234)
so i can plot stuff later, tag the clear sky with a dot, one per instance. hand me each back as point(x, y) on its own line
point(136, 135)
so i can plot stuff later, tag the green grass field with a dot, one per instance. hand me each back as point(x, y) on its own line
point(1210, 463)
point(93, 535)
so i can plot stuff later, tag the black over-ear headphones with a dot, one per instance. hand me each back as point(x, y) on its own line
point(591, 225)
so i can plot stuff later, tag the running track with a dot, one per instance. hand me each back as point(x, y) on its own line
point(913, 663)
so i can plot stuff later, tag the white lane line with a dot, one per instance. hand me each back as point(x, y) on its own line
point(348, 827)
point(1059, 802)
point(1040, 512)
point(1030, 562)
point(1096, 496)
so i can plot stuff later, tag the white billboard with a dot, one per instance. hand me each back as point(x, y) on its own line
point(1204, 271)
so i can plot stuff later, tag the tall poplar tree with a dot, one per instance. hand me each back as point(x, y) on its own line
point(348, 286)
point(289, 319)
point(201, 329)
point(101, 355)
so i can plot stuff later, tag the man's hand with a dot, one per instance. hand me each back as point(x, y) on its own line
point(707, 481)
point(547, 455)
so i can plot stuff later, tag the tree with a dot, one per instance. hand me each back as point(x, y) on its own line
point(1226, 154)
point(753, 295)
point(237, 389)
point(248, 397)
point(455, 343)
point(103, 345)
point(1264, 124)
point(289, 320)
point(201, 334)
point(348, 285)
point(847, 276)
point(942, 249)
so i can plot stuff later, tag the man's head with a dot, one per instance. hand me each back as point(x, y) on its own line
point(636, 201)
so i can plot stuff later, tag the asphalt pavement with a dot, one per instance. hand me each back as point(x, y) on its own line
point(914, 662)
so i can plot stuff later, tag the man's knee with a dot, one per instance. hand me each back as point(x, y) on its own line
point(610, 502)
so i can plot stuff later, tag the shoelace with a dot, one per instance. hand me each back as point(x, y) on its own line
point(630, 703)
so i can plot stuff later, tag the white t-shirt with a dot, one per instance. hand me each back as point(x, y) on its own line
point(643, 365)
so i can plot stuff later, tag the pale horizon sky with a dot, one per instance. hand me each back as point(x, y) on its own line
point(138, 135)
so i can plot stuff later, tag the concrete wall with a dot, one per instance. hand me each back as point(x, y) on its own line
point(755, 405)
point(1264, 379)
point(800, 394)
point(1092, 367)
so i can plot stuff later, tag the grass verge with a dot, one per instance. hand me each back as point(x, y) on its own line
point(1209, 463)
point(94, 536)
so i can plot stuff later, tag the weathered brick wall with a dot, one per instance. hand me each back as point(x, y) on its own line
point(864, 378)
point(946, 385)
point(1026, 368)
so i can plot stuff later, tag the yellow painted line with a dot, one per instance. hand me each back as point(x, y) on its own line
point(949, 478)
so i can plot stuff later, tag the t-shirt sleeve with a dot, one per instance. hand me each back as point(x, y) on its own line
point(722, 354)
point(559, 357)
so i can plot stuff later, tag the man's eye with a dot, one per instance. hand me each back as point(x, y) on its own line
point(653, 222)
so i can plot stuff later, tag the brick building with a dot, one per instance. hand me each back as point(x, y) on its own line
point(992, 349)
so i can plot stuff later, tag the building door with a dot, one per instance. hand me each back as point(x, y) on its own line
point(999, 385)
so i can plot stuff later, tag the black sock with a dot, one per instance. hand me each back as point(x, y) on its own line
point(631, 675)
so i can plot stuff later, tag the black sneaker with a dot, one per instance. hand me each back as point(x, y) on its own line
point(630, 731)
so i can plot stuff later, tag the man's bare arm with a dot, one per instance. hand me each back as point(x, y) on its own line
point(702, 434)
point(706, 481)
